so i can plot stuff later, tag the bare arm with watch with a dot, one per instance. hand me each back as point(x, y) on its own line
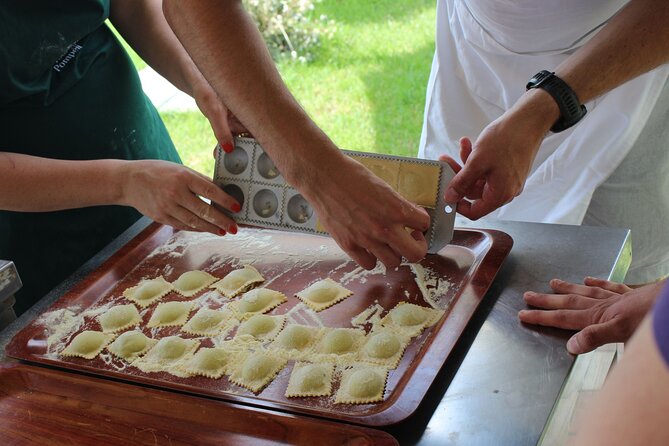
point(496, 165)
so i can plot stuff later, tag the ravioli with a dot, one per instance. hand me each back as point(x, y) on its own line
point(168, 314)
point(362, 384)
point(87, 344)
point(309, 379)
point(166, 355)
point(256, 370)
point(257, 301)
point(384, 346)
point(119, 317)
point(411, 319)
point(238, 281)
point(296, 340)
point(323, 294)
point(207, 322)
point(131, 345)
point(209, 362)
point(192, 282)
point(419, 183)
point(339, 344)
point(261, 327)
point(148, 291)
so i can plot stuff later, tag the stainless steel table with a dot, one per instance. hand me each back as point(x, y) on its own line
point(502, 379)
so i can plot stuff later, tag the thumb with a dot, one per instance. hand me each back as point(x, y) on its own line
point(593, 336)
point(463, 182)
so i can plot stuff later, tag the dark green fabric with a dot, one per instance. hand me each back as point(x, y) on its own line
point(91, 107)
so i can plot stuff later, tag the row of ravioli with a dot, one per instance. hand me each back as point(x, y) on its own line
point(262, 344)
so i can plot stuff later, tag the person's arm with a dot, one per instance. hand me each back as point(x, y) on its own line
point(362, 213)
point(496, 166)
point(164, 191)
point(632, 407)
point(143, 25)
point(601, 311)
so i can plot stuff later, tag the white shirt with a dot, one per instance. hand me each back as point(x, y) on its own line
point(486, 50)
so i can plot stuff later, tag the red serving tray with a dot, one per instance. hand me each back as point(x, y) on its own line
point(289, 262)
point(53, 407)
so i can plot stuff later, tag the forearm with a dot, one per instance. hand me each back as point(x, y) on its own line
point(33, 184)
point(143, 25)
point(229, 51)
point(635, 41)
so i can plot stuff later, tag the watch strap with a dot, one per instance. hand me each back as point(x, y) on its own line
point(571, 110)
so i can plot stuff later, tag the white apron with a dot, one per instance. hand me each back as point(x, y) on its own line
point(486, 50)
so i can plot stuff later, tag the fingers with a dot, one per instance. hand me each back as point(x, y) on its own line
point(558, 301)
point(465, 149)
point(362, 257)
point(401, 243)
point(454, 165)
point(562, 287)
point(614, 287)
point(594, 336)
point(191, 221)
point(567, 319)
point(204, 187)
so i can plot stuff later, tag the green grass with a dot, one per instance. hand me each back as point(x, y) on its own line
point(365, 88)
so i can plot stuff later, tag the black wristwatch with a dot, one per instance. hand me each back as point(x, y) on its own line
point(571, 110)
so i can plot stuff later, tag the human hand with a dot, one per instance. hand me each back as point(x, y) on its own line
point(496, 166)
point(169, 193)
point(223, 122)
point(365, 216)
point(601, 311)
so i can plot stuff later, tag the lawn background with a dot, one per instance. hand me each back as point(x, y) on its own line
point(365, 87)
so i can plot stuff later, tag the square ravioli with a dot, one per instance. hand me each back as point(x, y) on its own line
point(166, 356)
point(119, 317)
point(309, 379)
point(207, 322)
point(256, 370)
point(238, 281)
point(384, 346)
point(170, 314)
point(410, 318)
point(362, 384)
point(148, 291)
point(295, 341)
point(323, 294)
point(419, 183)
point(209, 362)
point(338, 345)
point(87, 344)
point(261, 327)
point(257, 301)
point(131, 345)
point(192, 282)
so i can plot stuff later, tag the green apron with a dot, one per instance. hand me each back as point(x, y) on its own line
point(68, 90)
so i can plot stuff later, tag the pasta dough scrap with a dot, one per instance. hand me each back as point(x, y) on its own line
point(308, 379)
point(170, 314)
point(261, 327)
point(87, 344)
point(192, 282)
point(384, 346)
point(296, 340)
point(209, 362)
point(131, 345)
point(362, 384)
point(207, 322)
point(238, 281)
point(411, 319)
point(166, 355)
point(323, 294)
point(339, 344)
point(148, 291)
point(257, 301)
point(256, 370)
point(119, 317)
